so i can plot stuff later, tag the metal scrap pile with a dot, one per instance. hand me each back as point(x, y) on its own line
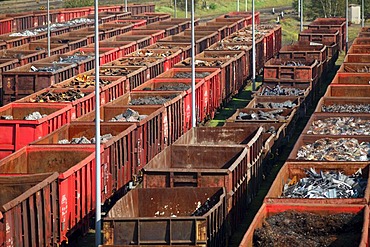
point(328, 149)
point(225, 46)
point(84, 140)
point(152, 100)
point(265, 28)
point(160, 46)
point(17, 55)
point(50, 96)
point(53, 26)
point(347, 108)
point(293, 63)
point(275, 105)
point(244, 36)
point(301, 229)
point(188, 75)
point(73, 58)
point(171, 87)
point(135, 61)
point(364, 69)
point(150, 53)
point(115, 71)
point(32, 116)
point(201, 63)
point(330, 184)
point(201, 209)
point(25, 33)
point(340, 126)
point(274, 115)
point(128, 116)
point(52, 68)
point(278, 90)
point(83, 81)
point(35, 116)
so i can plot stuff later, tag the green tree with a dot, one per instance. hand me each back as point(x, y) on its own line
point(181, 4)
point(326, 8)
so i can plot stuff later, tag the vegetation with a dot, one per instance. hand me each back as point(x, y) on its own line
point(78, 3)
point(215, 7)
point(327, 8)
point(203, 8)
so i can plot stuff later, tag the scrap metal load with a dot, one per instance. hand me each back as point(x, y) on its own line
point(145, 107)
point(146, 127)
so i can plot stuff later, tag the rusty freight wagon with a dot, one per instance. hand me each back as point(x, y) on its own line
point(149, 131)
point(28, 204)
point(207, 166)
point(75, 185)
point(118, 142)
point(168, 216)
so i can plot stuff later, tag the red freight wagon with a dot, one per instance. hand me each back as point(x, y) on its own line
point(118, 151)
point(17, 133)
point(76, 183)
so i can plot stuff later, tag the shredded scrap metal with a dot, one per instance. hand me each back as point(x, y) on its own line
point(328, 149)
point(17, 55)
point(52, 68)
point(279, 90)
point(151, 100)
point(128, 116)
point(302, 229)
point(151, 53)
point(73, 58)
point(84, 140)
point(51, 96)
point(160, 46)
point(171, 87)
point(135, 61)
point(286, 104)
point(226, 46)
point(364, 69)
point(53, 26)
point(115, 71)
point(188, 74)
point(347, 108)
point(6, 117)
point(201, 63)
point(329, 184)
point(340, 126)
point(261, 115)
point(34, 116)
point(293, 63)
point(83, 81)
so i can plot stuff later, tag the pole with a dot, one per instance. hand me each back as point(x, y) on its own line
point(237, 5)
point(301, 28)
point(48, 24)
point(174, 9)
point(346, 26)
point(186, 8)
point(125, 5)
point(363, 13)
point(253, 50)
point(97, 132)
point(299, 8)
point(193, 105)
point(246, 5)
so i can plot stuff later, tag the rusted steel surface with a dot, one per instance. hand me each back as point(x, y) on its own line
point(29, 214)
point(190, 216)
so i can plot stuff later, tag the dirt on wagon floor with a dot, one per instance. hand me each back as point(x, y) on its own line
point(298, 229)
